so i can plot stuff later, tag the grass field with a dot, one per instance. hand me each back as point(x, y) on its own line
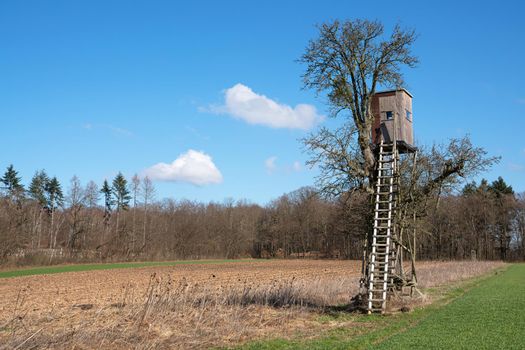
point(490, 316)
point(43, 270)
point(486, 313)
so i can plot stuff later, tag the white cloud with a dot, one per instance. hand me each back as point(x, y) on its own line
point(114, 129)
point(272, 167)
point(120, 131)
point(193, 166)
point(516, 167)
point(243, 103)
point(270, 164)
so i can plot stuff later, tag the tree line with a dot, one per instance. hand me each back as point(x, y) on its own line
point(123, 220)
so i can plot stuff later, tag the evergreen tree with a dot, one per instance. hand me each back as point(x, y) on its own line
point(54, 194)
point(37, 187)
point(483, 186)
point(11, 182)
point(500, 188)
point(108, 199)
point(121, 191)
point(55, 199)
point(470, 188)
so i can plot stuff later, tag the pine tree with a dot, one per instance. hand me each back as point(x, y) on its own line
point(11, 182)
point(122, 196)
point(499, 187)
point(55, 199)
point(54, 194)
point(470, 188)
point(108, 208)
point(37, 187)
point(37, 192)
point(108, 200)
point(121, 191)
point(483, 186)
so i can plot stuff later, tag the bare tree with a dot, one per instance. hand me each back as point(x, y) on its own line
point(135, 188)
point(75, 200)
point(348, 61)
point(148, 194)
point(339, 159)
point(92, 194)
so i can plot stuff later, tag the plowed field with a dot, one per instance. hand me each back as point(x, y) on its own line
point(45, 292)
point(187, 306)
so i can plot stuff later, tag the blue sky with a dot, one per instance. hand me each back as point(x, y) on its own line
point(96, 87)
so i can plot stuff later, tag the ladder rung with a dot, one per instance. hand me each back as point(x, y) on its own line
point(381, 299)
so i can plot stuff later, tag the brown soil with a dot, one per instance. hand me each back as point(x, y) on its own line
point(182, 306)
point(42, 293)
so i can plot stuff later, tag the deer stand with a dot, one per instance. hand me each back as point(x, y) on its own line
point(393, 235)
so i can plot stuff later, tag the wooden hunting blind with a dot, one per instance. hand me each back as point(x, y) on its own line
point(393, 119)
point(392, 135)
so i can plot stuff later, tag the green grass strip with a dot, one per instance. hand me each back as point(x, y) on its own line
point(484, 313)
point(490, 316)
point(90, 267)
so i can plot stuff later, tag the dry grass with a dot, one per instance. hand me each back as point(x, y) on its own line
point(437, 274)
point(181, 314)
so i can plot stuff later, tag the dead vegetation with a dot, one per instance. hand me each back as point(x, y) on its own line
point(174, 312)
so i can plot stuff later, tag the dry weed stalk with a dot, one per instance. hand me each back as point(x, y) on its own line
point(185, 315)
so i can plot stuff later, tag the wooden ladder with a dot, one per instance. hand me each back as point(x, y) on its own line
point(381, 260)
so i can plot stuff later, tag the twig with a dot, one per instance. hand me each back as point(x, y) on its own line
point(25, 341)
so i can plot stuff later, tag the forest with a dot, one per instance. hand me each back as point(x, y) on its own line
point(45, 222)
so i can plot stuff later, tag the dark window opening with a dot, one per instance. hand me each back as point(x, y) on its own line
point(389, 115)
point(409, 115)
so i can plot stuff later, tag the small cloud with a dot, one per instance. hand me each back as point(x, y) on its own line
point(196, 133)
point(270, 165)
point(243, 103)
point(114, 129)
point(518, 168)
point(120, 131)
point(193, 166)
